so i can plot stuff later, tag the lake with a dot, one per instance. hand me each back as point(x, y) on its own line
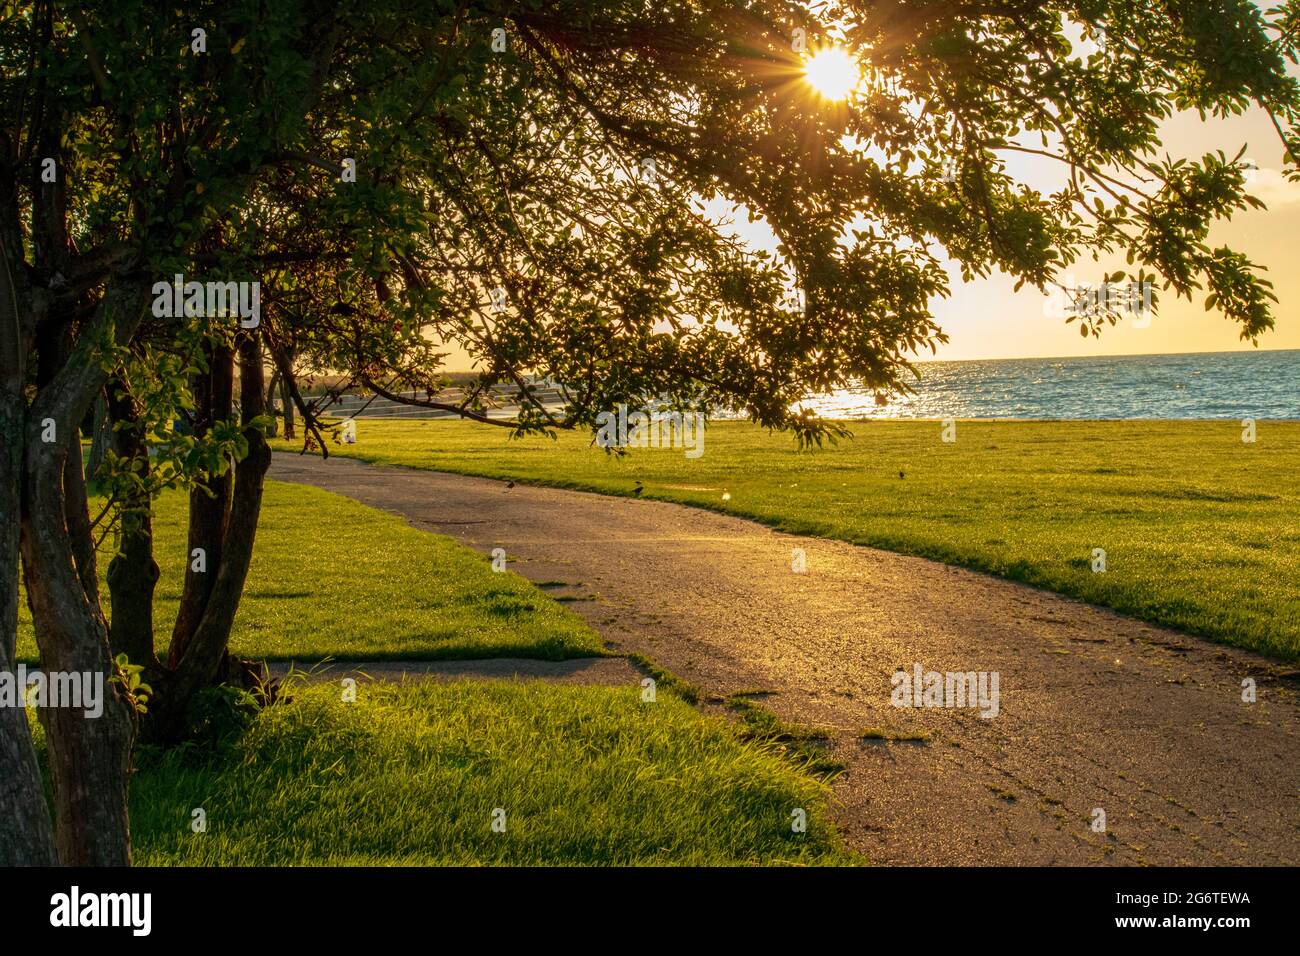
point(1224, 385)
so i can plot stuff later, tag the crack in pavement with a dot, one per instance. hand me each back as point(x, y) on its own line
point(1097, 711)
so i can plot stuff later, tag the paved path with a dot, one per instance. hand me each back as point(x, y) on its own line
point(1096, 711)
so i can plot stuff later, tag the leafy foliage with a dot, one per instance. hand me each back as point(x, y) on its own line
point(531, 181)
point(130, 677)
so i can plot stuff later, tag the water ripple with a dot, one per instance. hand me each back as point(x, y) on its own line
point(1217, 385)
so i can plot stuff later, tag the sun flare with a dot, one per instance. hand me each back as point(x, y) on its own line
point(832, 72)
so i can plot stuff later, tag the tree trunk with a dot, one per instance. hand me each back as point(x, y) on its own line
point(26, 836)
point(209, 504)
point(89, 756)
point(199, 663)
point(286, 402)
point(133, 572)
point(101, 438)
point(54, 344)
point(271, 391)
point(76, 512)
point(26, 833)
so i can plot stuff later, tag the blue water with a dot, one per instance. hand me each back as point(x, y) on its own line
point(1224, 385)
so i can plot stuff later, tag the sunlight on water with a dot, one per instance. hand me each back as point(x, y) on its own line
point(1231, 385)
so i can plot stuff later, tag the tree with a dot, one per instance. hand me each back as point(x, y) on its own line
point(111, 115)
point(523, 181)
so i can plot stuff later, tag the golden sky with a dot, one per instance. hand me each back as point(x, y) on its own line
point(988, 320)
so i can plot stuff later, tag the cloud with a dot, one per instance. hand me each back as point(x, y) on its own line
point(1272, 188)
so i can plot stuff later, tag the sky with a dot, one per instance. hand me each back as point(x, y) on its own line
point(987, 319)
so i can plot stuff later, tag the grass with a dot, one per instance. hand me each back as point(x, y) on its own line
point(333, 578)
point(805, 746)
point(412, 774)
point(1201, 531)
point(665, 680)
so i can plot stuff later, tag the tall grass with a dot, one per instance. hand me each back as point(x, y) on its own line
point(412, 774)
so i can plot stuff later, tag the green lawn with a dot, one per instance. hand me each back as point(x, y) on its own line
point(1201, 531)
point(333, 578)
point(411, 775)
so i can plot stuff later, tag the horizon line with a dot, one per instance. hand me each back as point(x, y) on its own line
point(1041, 358)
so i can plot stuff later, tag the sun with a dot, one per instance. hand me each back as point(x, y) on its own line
point(832, 72)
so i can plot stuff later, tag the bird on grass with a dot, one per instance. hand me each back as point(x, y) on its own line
point(638, 489)
point(901, 475)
